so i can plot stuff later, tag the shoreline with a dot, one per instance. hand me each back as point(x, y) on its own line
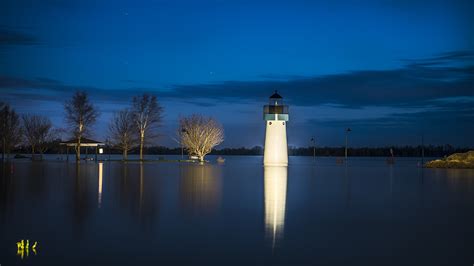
point(455, 161)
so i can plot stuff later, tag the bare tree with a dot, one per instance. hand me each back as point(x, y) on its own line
point(59, 133)
point(200, 134)
point(81, 114)
point(147, 117)
point(38, 131)
point(122, 131)
point(10, 129)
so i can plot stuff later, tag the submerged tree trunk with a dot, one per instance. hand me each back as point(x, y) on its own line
point(3, 149)
point(142, 140)
point(124, 155)
point(78, 150)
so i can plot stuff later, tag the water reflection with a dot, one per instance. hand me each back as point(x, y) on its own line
point(99, 193)
point(82, 202)
point(200, 188)
point(140, 201)
point(390, 167)
point(347, 186)
point(275, 182)
point(7, 189)
point(460, 180)
point(142, 206)
point(138, 191)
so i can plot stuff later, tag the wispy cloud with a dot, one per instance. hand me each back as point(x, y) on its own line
point(10, 36)
point(443, 59)
point(443, 114)
point(413, 85)
point(436, 93)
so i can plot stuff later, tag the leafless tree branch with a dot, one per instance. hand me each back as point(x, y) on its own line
point(122, 131)
point(200, 134)
point(147, 114)
point(38, 132)
point(81, 114)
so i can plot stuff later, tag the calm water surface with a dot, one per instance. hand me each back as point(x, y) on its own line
point(237, 213)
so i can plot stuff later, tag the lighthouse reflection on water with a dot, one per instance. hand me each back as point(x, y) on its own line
point(275, 180)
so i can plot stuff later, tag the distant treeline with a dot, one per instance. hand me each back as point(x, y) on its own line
point(398, 151)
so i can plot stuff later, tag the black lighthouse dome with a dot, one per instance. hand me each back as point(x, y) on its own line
point(276, 96)
point(276, 99)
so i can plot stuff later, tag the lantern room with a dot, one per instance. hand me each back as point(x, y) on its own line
point(275, 110)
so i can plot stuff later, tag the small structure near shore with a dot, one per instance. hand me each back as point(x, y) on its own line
point(457, 160)
point(87, 143)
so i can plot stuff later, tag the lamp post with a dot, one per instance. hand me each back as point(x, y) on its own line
point(107, 144)
point(347, 134)
point(181, 143)
point(314, 148)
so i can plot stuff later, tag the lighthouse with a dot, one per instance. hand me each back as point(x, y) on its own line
point(275, 115)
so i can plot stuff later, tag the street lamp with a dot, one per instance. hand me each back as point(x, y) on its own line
point(181, 142)
point(347, 134)
point(108, 145)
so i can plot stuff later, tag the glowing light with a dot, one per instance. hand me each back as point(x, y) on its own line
point(101, 150)
point(23, 249)
point(275, 180)
point(100, 184)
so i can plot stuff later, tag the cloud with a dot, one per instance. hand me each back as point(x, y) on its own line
point(448, 58)
point(14, 37)
point(444, 113)
point(446, 75)
point(360, 88)
point(436, 93)
point(47, 89)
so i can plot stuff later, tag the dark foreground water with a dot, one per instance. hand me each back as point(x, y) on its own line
point(238, 213)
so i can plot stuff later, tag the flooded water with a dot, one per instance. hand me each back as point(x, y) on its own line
point(237, 213)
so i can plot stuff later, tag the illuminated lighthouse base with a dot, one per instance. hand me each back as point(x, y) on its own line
point(275, 115)
point(276, 148)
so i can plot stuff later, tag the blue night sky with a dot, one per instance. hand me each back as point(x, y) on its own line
point(390, 70)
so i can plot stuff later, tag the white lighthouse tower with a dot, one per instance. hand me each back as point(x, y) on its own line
point(276, 116)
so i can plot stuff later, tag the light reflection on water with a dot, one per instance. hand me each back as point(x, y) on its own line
point(170, 213)
point(99, 197)
point(199, 188)
point(275, 181)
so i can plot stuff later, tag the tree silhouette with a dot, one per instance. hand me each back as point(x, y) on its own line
point(10, 129)
point(81, 114)
point(147, 117)
point(38, 132)
point(122, 131)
